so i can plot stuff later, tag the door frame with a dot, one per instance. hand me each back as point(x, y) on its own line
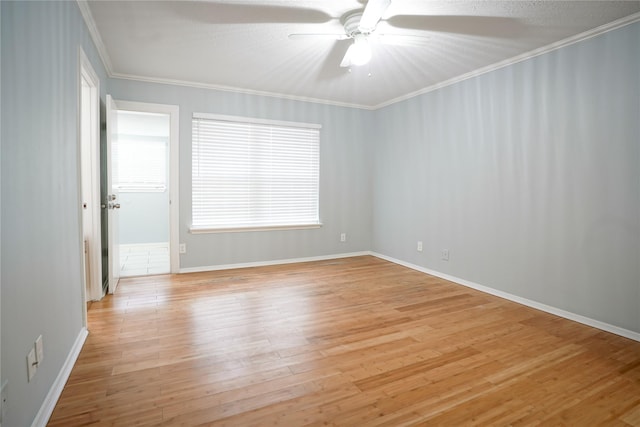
point(86, 72)
point(174, 134)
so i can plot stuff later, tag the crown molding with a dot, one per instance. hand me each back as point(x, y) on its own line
point(232, 89)
point(102, 51)
point(519, 58)
point(83, 5)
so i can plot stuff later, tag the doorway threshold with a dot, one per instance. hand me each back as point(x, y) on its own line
point(144, 259)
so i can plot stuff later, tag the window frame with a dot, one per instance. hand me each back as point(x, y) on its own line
point(250, 120)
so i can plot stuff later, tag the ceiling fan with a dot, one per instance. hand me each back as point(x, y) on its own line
point(360, 26)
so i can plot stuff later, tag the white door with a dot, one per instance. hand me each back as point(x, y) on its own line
point(113, 198)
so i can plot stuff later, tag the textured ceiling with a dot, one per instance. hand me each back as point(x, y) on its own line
point(244, 45)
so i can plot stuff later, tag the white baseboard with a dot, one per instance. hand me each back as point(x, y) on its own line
point(50, 401)
point(272, 262)
point(486, 289)
point(520, 300)
point(55, 391)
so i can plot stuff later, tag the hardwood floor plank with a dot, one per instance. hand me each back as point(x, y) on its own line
point(349, 342)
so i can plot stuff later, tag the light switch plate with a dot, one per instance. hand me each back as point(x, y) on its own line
point(32, 363)
point(39, 350)
point(4, 397)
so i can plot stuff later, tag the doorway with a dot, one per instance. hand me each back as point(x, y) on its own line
point(143, 172)
point(144, 162)
point(89, 146)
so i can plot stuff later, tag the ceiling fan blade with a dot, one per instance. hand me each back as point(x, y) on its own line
point(318, 36)
point(487, 26)
point(372, 14)
point(238, 13)
point(329, 71)
point(346, 61)
point(402, 39)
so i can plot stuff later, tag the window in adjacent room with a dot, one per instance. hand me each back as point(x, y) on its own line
point(254, 174)
point(142, 163)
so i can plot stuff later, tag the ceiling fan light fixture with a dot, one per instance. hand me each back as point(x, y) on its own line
point(360, 51)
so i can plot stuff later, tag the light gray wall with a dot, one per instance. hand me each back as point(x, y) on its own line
point(529, 175)
point(345, 185)
point(41, 236)
point(144, 218)
point(1, 376)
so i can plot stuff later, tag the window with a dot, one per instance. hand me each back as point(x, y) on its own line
point(147, 176)
point(253, 174)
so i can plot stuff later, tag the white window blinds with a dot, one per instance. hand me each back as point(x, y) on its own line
point(254, 174)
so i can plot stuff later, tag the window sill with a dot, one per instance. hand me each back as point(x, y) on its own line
point(247, 229)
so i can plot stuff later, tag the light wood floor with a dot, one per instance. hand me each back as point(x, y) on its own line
point(351, 342)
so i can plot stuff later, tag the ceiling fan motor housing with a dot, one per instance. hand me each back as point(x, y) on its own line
point(352, 24)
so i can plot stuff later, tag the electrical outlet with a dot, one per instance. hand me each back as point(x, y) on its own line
point(39, 350)
point(419, 246)
point(183, 248)
point(4, 398)
point(32, 363)
point(343, 237)
point(445, 254)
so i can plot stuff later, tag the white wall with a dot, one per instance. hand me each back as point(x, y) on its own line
point(41, 249)
point(529, 175)
point(144, 217)
point(345, 187)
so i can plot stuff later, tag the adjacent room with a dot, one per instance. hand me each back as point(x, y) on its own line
point(337, 212)
point(142, 163)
